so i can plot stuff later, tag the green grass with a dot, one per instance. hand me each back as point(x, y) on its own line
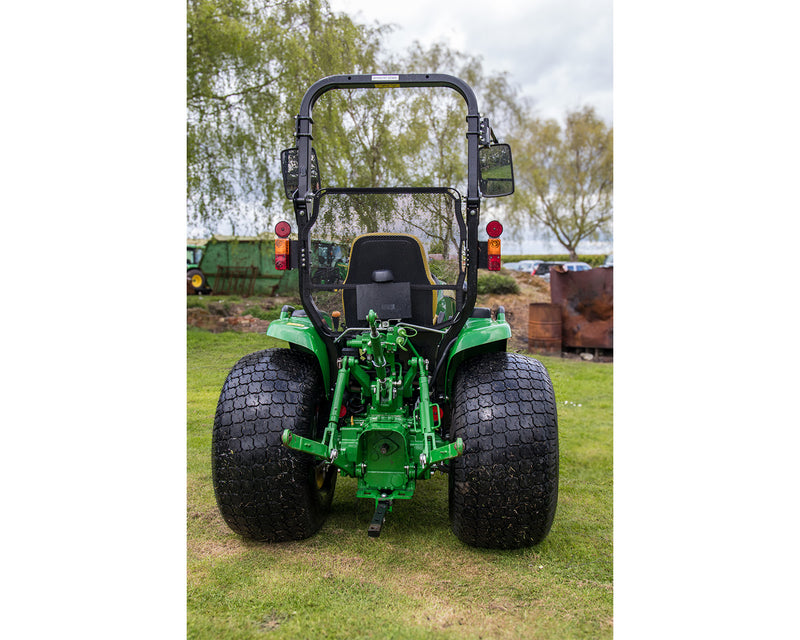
point(417, 580)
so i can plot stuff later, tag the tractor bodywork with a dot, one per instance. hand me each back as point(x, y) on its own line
point(397, 433)
point(390, 329)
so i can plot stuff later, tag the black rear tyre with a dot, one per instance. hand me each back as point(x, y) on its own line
point(504, 488)
point(197, 280)
point(264, 490)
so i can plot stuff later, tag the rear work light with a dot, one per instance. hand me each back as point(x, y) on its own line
point(282, 230)
point(493, 229)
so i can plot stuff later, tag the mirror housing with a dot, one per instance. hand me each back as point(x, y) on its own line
point(496, 171)
point(290, 170)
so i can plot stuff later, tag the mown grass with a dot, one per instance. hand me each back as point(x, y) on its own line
point(417, 580)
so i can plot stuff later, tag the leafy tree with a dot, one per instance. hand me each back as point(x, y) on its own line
point(229, 90)
point(565, 177)
point(248, 64)
point(441, 114)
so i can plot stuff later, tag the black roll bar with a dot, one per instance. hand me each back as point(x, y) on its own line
point(303, 197)
point(387, 81)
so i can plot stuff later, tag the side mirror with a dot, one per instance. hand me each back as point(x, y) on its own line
point(290, 168)
point(496, 171)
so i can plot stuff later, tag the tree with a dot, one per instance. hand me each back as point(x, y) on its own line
point(440, 116)
point(228, 88)
point(248, 64)
point(565, 177)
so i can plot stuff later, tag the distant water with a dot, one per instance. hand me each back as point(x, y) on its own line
point(544, 247)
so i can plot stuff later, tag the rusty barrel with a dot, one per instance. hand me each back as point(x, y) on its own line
point(544, 328)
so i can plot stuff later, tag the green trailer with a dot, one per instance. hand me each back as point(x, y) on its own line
point(245, 266)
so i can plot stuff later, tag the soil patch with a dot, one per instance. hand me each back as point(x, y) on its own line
point(531, 289)
point(204, 319)
point(220, 314)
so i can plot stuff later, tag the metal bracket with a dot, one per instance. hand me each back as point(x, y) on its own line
point(487, 135)
point(298, 128)
point(377, 520)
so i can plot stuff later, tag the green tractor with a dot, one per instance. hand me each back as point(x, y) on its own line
point(391, 372)
point(195, 279)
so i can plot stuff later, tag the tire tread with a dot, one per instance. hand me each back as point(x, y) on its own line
point(264, 490)
point(504, 488)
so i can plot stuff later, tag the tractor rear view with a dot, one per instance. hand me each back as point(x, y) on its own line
point(391, 372)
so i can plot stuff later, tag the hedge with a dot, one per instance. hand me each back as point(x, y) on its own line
point(592, 260)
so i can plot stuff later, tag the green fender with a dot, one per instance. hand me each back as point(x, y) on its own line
point(479, 335)
point(300, 332)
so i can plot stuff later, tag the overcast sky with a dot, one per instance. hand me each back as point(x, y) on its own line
point(559, 52)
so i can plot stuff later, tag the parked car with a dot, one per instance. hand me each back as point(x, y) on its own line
point(524, 265)
point(543, 268)
point(576, 266)
point(609, 260)
point(533, 264)
point(527, 265)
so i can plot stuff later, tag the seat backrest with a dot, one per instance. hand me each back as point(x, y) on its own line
point(383, 267)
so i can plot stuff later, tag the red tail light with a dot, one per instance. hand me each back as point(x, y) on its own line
point(494, 229)
point(282, 230)
point(281, 254)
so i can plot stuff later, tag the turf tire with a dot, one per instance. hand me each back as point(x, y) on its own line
point(504, 488)
point(264, 490)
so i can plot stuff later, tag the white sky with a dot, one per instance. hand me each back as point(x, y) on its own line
point(559, 52)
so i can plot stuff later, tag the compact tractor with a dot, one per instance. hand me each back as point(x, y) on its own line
point(391, 372)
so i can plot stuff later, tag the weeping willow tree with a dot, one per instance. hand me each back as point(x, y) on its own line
point(249, 62)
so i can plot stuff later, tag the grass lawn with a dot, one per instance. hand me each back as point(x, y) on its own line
point(417, 580)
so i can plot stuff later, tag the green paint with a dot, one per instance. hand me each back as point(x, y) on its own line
point(300, 332)
point(391, 443)
point(479, 335)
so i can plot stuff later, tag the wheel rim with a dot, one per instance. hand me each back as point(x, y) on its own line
point(319, 475)
point(197, 281)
